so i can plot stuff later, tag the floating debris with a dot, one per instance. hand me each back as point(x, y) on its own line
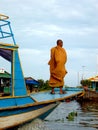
point(71, 116)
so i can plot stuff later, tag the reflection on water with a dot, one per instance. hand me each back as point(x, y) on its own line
point(87, 118)
point(89, 114)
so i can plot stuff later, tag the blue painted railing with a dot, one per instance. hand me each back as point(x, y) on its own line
point(6, 30)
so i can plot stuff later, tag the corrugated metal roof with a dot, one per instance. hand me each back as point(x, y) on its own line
point(95, 78)
point(5, 75)
point(30, 80)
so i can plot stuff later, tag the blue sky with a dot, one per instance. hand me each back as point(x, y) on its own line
point(38, 24)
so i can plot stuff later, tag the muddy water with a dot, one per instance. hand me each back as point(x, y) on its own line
point(86, 118)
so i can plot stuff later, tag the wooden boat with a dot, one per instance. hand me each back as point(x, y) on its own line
point(13, 116)
point(19, 107)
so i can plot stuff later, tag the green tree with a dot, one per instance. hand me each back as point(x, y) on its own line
point(86, 82)
point(43, 85)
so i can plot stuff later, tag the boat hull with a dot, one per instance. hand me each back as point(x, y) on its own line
point(40, 111)
point(21, 109)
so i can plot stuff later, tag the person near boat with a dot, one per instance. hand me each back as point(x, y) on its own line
point(58, 59)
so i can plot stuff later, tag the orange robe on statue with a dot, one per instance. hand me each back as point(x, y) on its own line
point(57, 66)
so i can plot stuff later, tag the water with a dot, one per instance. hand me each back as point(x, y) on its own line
point(86, 118)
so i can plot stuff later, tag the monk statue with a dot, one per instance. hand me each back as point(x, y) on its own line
point(58, 59)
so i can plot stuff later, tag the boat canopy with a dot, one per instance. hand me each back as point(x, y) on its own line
point(10, 53)
point(6, 50)
point(6, 54)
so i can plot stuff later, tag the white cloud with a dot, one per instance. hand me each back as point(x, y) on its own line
point(38, 24)
point(35, 63)
point(48, 30)
point(37, 57)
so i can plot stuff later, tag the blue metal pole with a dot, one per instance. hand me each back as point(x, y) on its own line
point(12, 34)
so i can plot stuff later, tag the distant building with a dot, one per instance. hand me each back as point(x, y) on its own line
point(31, 84)
point(5, 78)
point(94, 82)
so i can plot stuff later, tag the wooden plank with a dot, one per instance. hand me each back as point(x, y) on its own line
point(58, 99)
point(3, 17)
point(43, 102)
point(12, 121)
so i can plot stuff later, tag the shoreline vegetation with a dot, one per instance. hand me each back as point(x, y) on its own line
point(44, 85)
